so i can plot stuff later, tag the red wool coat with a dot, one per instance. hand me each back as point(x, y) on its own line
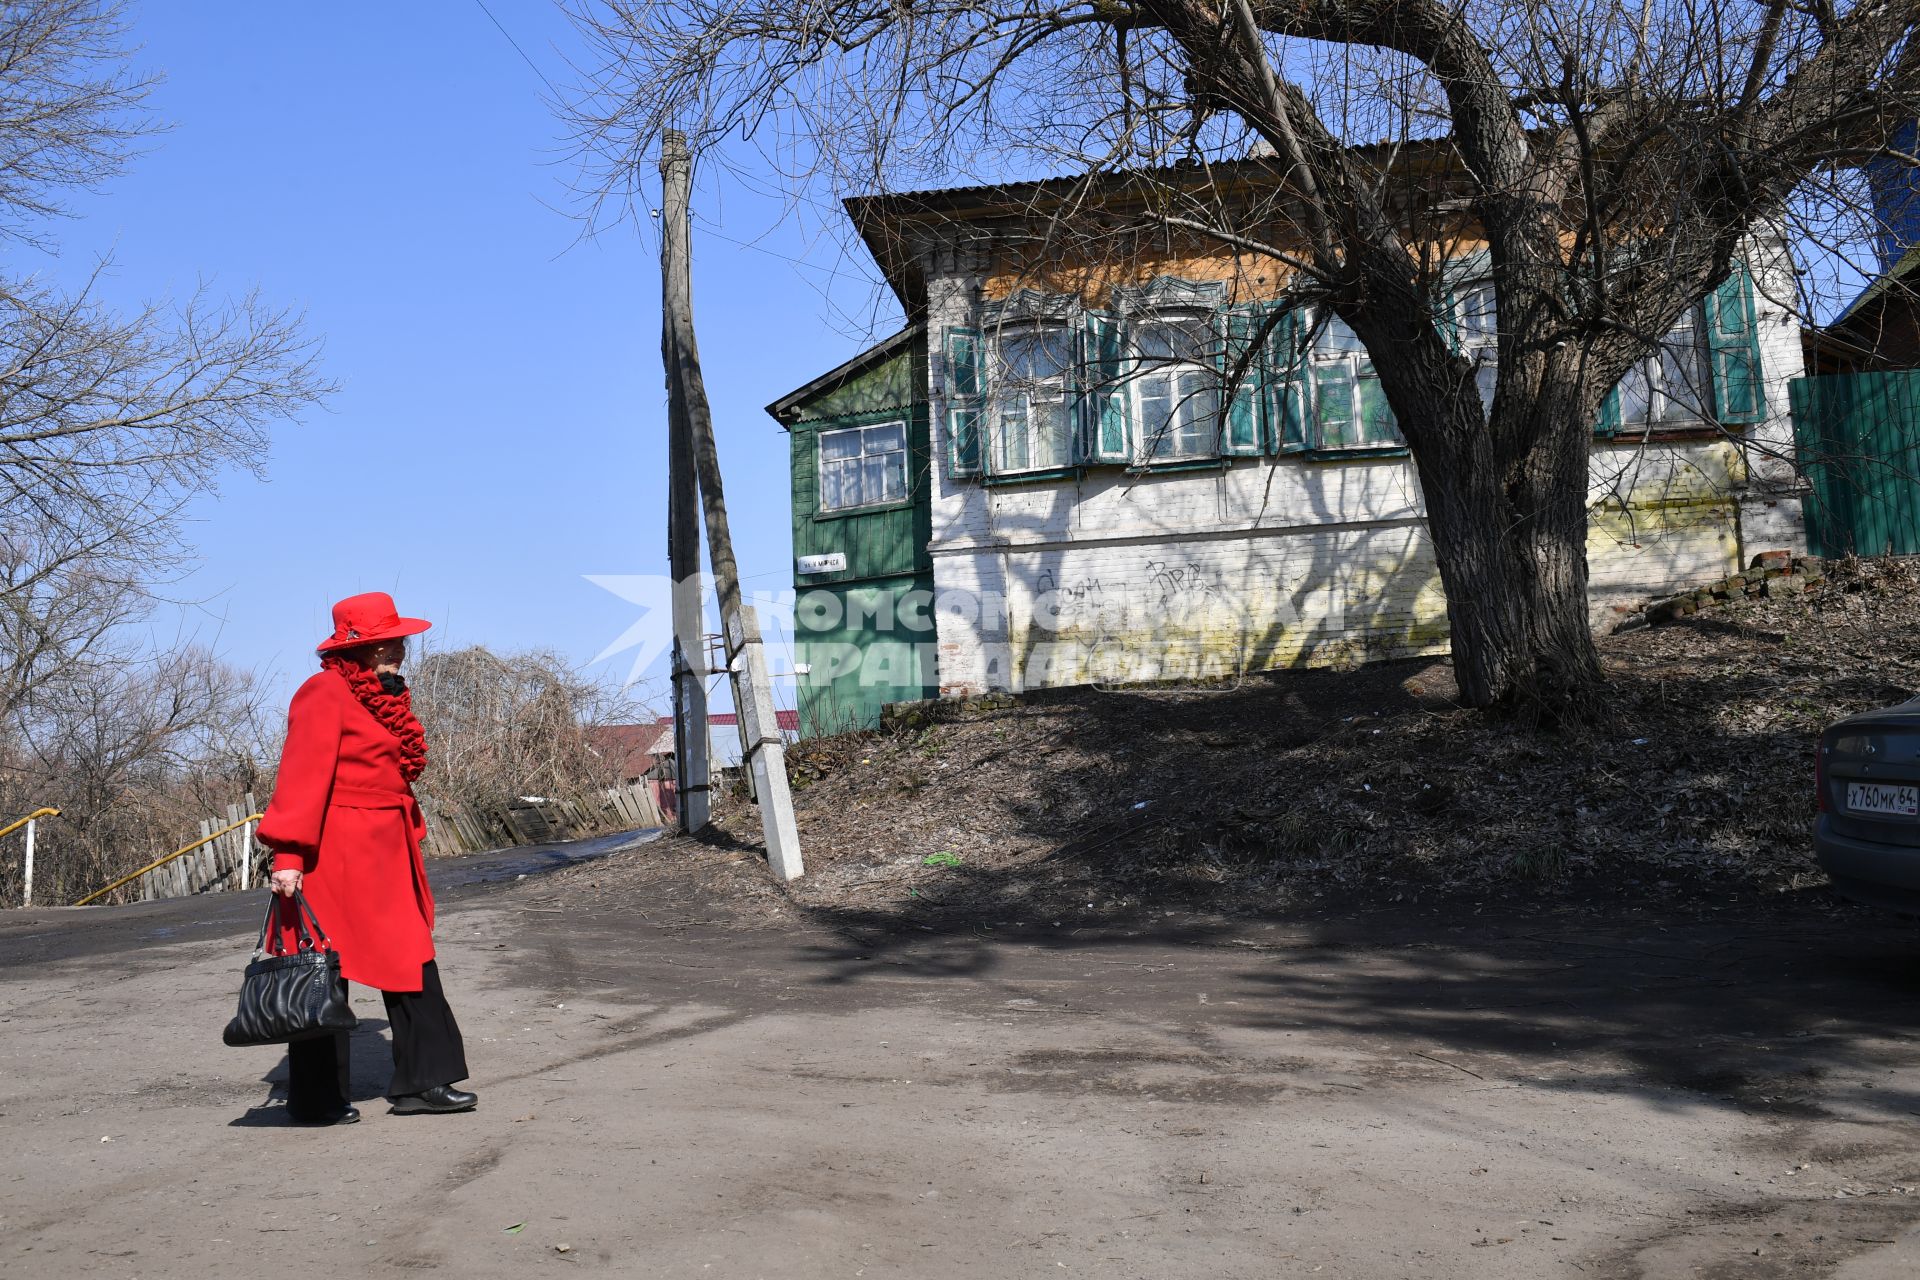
point(343, 815)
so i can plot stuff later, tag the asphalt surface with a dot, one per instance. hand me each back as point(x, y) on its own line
point(1485, 1092)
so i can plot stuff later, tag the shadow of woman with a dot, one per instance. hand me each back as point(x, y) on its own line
point(370, 1068)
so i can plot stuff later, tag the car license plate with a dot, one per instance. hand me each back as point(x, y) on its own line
point(1878, 797)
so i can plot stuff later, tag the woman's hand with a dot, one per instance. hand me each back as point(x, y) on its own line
point(286, 883)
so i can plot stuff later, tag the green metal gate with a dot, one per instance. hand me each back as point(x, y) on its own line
point(1859, 441)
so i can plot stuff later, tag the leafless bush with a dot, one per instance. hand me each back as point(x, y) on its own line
point(505, 727)
point(134, 753)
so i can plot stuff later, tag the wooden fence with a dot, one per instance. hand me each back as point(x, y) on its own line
point(471, 830)
point(215, 866)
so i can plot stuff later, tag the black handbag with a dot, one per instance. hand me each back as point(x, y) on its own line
point(291, 995)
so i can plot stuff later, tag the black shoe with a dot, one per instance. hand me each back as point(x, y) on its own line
point(440, 1099)
point(346, 1115)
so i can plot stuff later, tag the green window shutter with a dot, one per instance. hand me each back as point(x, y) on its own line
point(964, 446)
point(1377, 424)
point(1106, 435)
point(963, 441)
point(1287, 395)
point(963, 363)
point(1733, 339)
point(1240, 434)
point(1448, 321)
point(1609, 424)
point(1333, 396)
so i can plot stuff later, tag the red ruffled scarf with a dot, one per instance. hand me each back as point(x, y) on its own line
point(392, 710)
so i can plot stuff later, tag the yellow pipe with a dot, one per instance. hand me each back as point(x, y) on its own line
point(177, 853)
point(35, 816)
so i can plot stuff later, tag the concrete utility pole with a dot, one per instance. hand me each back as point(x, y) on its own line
point(693, 786)
point(746, 655)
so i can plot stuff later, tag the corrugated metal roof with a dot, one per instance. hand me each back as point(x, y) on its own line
point(1233, 169)
point(871, 214)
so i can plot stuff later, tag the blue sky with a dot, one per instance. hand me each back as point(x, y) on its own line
point(392, 170)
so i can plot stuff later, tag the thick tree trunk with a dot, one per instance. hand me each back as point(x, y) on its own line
point(1481, 572)
point(1509, 537)
point(1549, 497)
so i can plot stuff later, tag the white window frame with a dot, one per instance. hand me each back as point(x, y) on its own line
point(858, 468)
point(1670, 393)
point(1011, 401)
point(1477, 322)
point(1359, 366)
point(1662, 402)
point(1189, 388)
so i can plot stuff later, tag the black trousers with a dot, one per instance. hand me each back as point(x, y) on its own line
point(427, 1051)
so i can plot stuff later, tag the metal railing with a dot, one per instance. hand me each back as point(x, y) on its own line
point(245, 863)
point(26, 870)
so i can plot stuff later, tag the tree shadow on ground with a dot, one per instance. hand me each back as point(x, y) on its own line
point(1619, 898)
point(1367, 785)
point(1778, 1011)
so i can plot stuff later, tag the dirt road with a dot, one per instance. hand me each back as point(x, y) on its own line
point(1489, 1094)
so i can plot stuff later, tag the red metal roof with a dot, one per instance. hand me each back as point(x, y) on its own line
point(789, 721)
point(634, 746)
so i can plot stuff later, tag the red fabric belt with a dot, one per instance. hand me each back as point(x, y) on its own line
point(369, 798)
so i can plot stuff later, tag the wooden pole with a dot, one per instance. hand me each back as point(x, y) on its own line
point(746, 656)
point(693, 774)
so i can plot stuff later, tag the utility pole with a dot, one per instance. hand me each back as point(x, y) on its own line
point(693, 785)
point(746, 655)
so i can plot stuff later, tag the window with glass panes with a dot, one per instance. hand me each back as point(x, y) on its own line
point(1674, 385)
point(1175, 386)
point(1029, 406)
point(1478, 327)
point(1349, 409)
point(863, 466)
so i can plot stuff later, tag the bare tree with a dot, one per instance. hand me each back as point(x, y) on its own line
point(1612, 156)
point(134, 750)
point(503, 726)
point(69, 107)
point(109, 422)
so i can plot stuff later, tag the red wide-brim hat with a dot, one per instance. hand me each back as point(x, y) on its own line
point(369, 619)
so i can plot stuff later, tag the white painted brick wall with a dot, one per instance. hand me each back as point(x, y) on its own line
point(1279, 561)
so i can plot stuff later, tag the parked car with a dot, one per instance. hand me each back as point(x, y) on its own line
point(1867, 831)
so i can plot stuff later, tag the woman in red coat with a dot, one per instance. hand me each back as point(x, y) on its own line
point(346, 831)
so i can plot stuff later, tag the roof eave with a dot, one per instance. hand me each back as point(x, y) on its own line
point(884, 350)
point(1901, 269)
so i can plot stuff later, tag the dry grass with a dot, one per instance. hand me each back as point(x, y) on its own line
point(1306, 786)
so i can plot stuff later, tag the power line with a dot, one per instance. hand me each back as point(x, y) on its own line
point(516, 48)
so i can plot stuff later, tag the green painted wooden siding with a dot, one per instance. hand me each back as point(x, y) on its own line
point(858, 666)
point(879, 542)
point(848, 628)
point(886, 386)
point(1859, 441)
